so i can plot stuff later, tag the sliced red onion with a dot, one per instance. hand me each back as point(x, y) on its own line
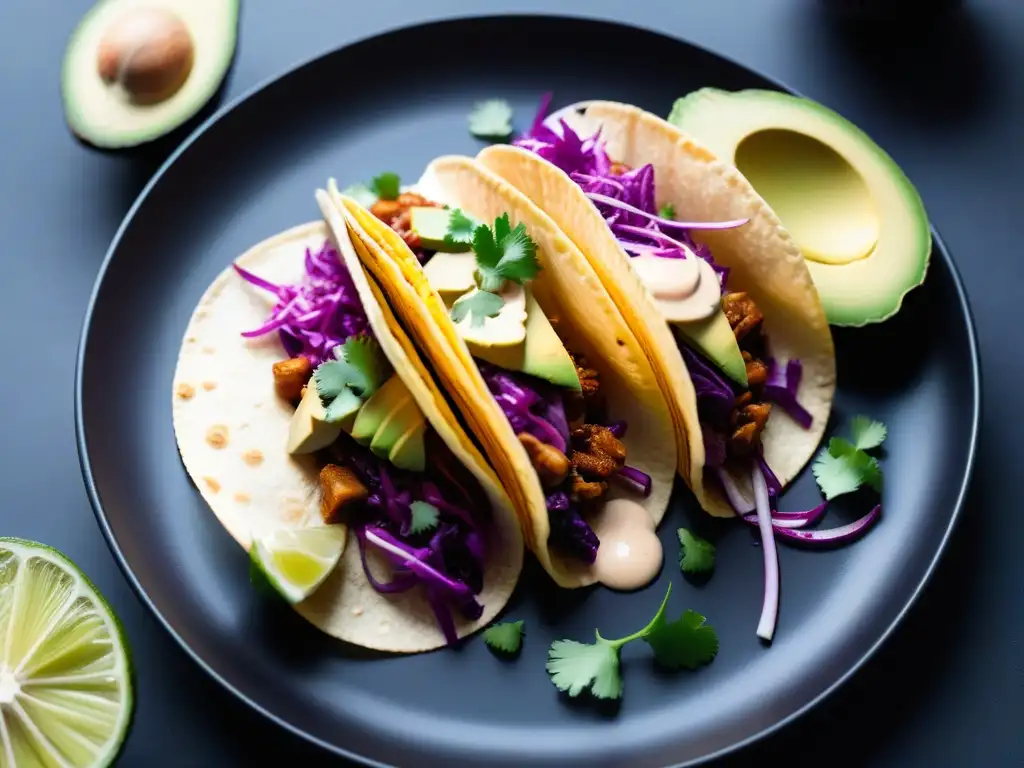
point(605, 200)
point(793, 519)
point(788, 402)
point(641, 480)
point(770, 604)
point(653, 234)
point(403, 580)
point(739, 504)
point(838, 535)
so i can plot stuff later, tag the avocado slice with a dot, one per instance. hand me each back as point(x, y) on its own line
point(133, 72)
point(451, 275)
point(309, 430)
point(714, 338)
point(431, 224)
point(541, 354)
point(382, 402)
point(403, 416)
point(409, 451)
point(858, 219)
point(506, 329)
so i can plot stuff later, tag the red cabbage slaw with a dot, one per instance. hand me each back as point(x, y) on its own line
point(316, 315)
point(536, 406)
point(312, 318)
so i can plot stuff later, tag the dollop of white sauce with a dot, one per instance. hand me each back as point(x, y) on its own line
point(686, 290)
point(630, 554)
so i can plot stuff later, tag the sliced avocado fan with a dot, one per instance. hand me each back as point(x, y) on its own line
point(135, 70)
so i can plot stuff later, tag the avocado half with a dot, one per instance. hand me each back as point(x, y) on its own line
point(134, 70)
point(859, 221)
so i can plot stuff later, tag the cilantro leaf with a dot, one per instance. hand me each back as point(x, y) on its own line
point(479, 305)
point(686, 642)
point(345, 404)
point(867, 433)
point(491, 119)
point(387, 185)
point(370, 368)
point(836, 475)
point(839, 447)
point(461, 227)
point(504, 253)
point(695, 554)
point(331, 379)
point(361, 193)
point(505, 636)
point(667, 211)
point(575, 667)
point(424, 517)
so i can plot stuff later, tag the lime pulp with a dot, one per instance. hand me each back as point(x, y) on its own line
point(296, 561)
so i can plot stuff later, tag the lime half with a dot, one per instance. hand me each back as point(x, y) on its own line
point(297, 560)
point(65, 673)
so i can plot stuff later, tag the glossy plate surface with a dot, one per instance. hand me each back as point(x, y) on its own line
point(394, 102)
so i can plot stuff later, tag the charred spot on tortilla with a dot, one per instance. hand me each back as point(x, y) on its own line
point(185, 391)
point(217, 436)
point(253, 457)
point(209, 386)
point(212, 484)
point(242, 498)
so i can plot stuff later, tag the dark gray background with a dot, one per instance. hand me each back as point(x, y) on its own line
point(945, 98)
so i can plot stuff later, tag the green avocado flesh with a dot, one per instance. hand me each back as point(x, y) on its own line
point(107, 113)
point(431, 224)
point(309, 430)
point(409, 451)
point(404, 417)
point(377, 408)
point(714, 338)
point(859, 221)
point(542, 354)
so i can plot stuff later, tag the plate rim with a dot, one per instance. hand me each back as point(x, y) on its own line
point(938, 243)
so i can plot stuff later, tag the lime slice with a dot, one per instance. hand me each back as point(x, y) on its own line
point(65, 673)
point(295, 561)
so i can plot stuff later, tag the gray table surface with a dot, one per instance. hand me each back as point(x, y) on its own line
point(946, 99)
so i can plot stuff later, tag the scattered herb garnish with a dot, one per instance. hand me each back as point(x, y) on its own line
point(460, 228)
point(424, 517)
point(845, 466)
point(359, 371)
point(479, 305)
point(504, 253)
point(505, 636)
point(385, 186)
point(491, 119)
point(695, 554)
point(667, 211)
point(575, 667)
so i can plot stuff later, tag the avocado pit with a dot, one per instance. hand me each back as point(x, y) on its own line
point(149, 52)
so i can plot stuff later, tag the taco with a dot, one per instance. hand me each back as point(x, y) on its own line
point(707, 279)
point(538, 360)
point(300, 401)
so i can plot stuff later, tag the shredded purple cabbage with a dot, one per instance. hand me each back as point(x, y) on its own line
point(569, 531)
point(530, 404)
point(318, 314)
point(447, 561)
point(781, 388)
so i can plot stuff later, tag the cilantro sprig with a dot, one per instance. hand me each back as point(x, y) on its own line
point(384, 186)
point(696, 555)
point(574, 667)
point(424, 517)
point(491, 119)
point(505, 636)
point(359, 370)
point(845, 466)
point(478, 305)
point(667, 211)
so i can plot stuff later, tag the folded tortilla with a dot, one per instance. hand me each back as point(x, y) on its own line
point(763, 259)
point(566, 287)
point(232, 427)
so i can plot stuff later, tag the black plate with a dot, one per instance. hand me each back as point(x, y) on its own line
point(394, 102)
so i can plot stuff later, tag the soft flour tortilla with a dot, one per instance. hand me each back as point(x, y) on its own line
point(566, 288)
point(223, 386)
point(764, 261)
